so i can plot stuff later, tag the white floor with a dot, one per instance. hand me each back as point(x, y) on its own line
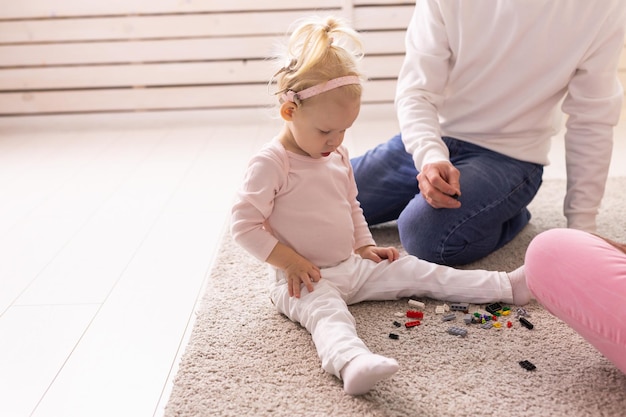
point(108, 228)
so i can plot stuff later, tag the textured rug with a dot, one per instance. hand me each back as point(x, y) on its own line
point(245, 359)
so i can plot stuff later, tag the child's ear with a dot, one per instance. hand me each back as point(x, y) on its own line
point(287, 110)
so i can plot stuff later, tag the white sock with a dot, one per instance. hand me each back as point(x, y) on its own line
point(521, 293)
point(364, 371)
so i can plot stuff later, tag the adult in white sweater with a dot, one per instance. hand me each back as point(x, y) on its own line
point(479, 97)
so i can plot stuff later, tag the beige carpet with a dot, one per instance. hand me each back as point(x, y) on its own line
point(245, 359)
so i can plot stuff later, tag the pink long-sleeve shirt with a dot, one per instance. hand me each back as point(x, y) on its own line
point(307, 204)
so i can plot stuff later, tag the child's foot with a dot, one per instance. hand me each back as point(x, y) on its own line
point(521, 293)
point(364, 371)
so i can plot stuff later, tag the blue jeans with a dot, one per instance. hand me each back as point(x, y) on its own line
point(495, 192)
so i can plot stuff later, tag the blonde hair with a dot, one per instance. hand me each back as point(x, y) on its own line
point(319, 49)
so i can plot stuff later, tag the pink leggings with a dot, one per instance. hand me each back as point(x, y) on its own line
point(581, 279)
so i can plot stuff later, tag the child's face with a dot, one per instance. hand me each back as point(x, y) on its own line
point(317, 128)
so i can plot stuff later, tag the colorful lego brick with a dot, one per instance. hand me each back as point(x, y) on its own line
point(414, 314)
point(527, 365)
point(497, 325)
point(448, 317)
point(492, 308)
point(509, 324)
point(526, 323)
point(459, 307)
point(394, 336)
point(457, 331)
point(417, 304)
point(442, 309)
point(468, 318)
point(397, 324)
point(488, 325)
point(410, 324)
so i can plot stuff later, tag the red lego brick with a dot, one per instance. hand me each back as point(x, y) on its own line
point(415, 314)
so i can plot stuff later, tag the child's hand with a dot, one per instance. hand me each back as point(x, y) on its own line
point(301, 272)
point(377, 254)
point(298, 269)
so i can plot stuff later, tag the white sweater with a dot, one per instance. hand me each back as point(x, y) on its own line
point(493, 73)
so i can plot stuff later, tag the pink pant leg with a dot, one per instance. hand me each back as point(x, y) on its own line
point(581, 279)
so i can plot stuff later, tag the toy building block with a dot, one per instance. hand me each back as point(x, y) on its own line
point(448, 317)
point(397, 323)
point(493, 308)
point(521, 312)
point(413, 314)
point(527, 365)
point(509, 324)
point(457, 331)
point(417, 304)
point(488, 325)
point(468, 318)
point(414, 323)
point(526, 323)
point(394, 336)
point(398, 314)
point(442, 309)
point(459, 307)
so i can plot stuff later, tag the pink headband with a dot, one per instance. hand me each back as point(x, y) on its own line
point(320, 88)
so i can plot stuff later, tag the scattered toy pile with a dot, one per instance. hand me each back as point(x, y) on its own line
point(491, 318)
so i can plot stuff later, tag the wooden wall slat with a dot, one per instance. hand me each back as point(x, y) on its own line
point(382, 18)
point(27, 9)
point(169, 50)
point(128, 28)
point(135, 75)
point(358, 3)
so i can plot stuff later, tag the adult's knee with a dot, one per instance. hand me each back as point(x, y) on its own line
point(436, 239)
point(419, 238)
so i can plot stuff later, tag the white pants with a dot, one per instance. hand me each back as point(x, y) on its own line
point(324, 312)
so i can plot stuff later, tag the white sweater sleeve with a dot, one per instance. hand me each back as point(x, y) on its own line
point(593, 104)
point(421, 85)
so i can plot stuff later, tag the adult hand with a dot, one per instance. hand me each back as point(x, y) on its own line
point(439, 184)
